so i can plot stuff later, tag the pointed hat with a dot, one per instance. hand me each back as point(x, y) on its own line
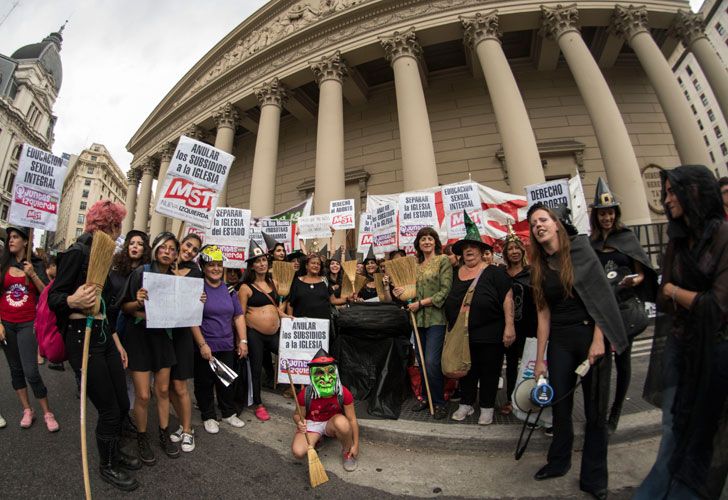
point(472, 236)
point(270, 241)
point(254, 251)
point(603, 197)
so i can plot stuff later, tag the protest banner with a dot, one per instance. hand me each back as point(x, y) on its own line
point(314, 226)
point(455, 223)
point(551, 194)
point(195, 177)
point(416, 210)
point(300, 339)
point(384, 228)
point(459, 197)
point(174, 301)
point(342, 214)
point(234, 256)
point(365, 233)
point(280, 230)
point(230, 227)
point(192, 229)
point(293, 213)
point(36, 195)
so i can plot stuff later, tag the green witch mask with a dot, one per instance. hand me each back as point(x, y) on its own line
point(323, 379)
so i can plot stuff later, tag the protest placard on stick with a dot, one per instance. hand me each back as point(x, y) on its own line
point(300, 339)
point(230, 227)
point(342, 214)
point(416, 210)
point(314, 226)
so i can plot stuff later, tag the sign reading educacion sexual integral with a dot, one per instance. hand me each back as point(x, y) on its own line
point(416, 210)
point(301, 338)
point(195, 177)
point(231, 227)
point(342, 214)
point(36, 195)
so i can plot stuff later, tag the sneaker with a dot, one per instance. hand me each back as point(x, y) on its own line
point(170, 448)
point(548, 431)
point(262, 414)
point(28, 418)
point(234, 421)
point(486, 416)
point(3, 423)
point(146, 455)
point(51, 422)
point(463, 412)
point(211, 426)
point(176, 436)
point(188, 441)
point(349, 462)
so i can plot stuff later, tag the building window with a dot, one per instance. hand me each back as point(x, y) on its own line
point(720, 29)
point(4, 213)
point(93, 157)
point(87, 182)
point(81, 218)
point(84, 194)
point(90, 170)
point(83, 206)
point(695, 111)
point(707, 142)
point(723, 149)
point(711, 115)
point(712, 156)
point(718, 134)
point(700, 124)
point(696, 84)
point(16, 152)
point(689, 70)
point(9, 181)
point(703, 99)
point(687, 95)
point(79, 232)
point(679, 80)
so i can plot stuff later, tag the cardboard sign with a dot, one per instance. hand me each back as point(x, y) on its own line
point(342, 214)
point(416, 210)
point(300, 339)
point(384, 228)
point(36, 195)
point(459, 197)
point(195, 177)
point(365, 233)
point(314, 226)
point(280, 230)
point(230, 227)
point(551, 194)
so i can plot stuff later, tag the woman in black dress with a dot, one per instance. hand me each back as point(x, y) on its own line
point(310, 297)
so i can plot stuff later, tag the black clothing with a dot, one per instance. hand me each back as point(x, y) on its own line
point(261, 299)
point(117, 282)
point(206, 381)
point(613, 260)
point(487, 360)
point(524, 308)
point(335, 285)
point(195, 271)
point(258, 345)
point(565, 311)
point(486, 321)
point(367, 293)
point(182, 338)
point(310, 300)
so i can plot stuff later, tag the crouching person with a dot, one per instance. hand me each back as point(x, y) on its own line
point(329, 408)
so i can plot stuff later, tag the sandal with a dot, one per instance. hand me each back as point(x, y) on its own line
point(506, 409)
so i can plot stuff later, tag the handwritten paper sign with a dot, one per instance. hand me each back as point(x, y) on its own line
point(314, 226)
point(174, 301)
point(459, 197)
point(36, 195)
point(342, 214)
point(193, 183)
point(301, 338)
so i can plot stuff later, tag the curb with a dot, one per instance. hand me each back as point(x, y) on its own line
point(495, 438)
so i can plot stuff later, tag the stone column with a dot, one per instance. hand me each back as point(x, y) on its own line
point(690, 29)
point(404, 53)
point(132, 178)
point(262, 185)
point(145, 197)
point(523, 163)
point(225, 119)
point(158, 222)
point(620, 163)
point(631, 23)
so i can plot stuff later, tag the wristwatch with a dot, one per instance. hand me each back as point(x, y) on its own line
point(244, 341)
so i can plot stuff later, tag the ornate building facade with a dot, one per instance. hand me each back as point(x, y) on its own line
point(30, 80)
point(93, 175)
point(346, 97)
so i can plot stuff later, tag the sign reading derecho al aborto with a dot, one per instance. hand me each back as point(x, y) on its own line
point(174, 301)
point(342, 214)
point(195, 177)
point(301, 338)
point(36, 195)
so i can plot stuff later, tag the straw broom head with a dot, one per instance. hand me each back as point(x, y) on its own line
point(404, 274)
point(316, 472)
point(99, 265)
point(349, 267)
point(378, 281)
point(283, 274)
point(347, 287)
point(359, 282)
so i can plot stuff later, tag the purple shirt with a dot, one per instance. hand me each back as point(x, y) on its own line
point(217, 318)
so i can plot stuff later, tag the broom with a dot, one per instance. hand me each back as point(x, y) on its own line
point(379, 283)
point(99, 264)
point(347, 287)
point(359, 282)
point(349, 267)
point(283, 274)
point(403, 272)
point(316, 472)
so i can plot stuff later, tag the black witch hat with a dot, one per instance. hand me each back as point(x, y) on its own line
point(370, 255)
point(270, 241)
point(322, 358)
point(254, 251)
point(603, 197)
point(337, 255)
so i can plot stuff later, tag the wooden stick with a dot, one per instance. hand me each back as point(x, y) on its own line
point(84, 382)
point(422, 362)
point(29, 254)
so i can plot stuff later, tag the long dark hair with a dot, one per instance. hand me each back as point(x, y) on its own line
point(537, 256)
point(122, 263)
point(250, 275)
point(596, 229)
point(427, 231)
point(7, 256)
point(304, 262)
point(339, 276)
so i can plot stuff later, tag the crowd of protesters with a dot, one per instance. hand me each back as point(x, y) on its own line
point(581, 297)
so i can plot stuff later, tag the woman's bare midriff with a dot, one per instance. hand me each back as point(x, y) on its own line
point(263, 319)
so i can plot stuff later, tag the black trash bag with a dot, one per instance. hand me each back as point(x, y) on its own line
point(372, 348)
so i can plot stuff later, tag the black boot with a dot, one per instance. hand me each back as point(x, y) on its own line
point(170, 448)
point(128, 427)
point(126, 461)
point(109, 469)
point(613, 421)
point(146, 455)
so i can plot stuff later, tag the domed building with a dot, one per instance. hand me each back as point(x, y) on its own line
point(30, 80)
point(341, 98)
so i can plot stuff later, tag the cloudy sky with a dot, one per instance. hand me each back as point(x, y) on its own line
point(120, 58)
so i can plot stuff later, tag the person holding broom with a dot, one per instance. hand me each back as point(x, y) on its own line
point(329, 412)
point(68, 298)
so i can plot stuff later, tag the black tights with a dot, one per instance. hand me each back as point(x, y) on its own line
point(258, 344)
point(487, 361)
point(623, 363)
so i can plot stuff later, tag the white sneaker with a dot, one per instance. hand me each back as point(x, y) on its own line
point(176, 436)
point(211, 426)
point(486, 416)
point(234, 421)
point(3, 423)
point(463, 412)
point(188, 441)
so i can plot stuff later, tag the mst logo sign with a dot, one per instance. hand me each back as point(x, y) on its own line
point(192, 195)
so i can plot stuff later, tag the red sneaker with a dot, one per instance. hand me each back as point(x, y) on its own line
point(262, 414)
point(51, 422)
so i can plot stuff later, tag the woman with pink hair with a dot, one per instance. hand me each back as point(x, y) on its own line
point(69, 297)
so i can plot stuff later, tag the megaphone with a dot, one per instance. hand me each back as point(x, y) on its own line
point(531, 395)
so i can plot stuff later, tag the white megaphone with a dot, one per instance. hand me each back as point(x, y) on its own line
point(531, 395)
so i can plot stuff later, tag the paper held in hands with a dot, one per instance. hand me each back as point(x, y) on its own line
point(226, 374)
point(174, 301)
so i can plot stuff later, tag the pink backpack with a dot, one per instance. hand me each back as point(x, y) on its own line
point(50, 340)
